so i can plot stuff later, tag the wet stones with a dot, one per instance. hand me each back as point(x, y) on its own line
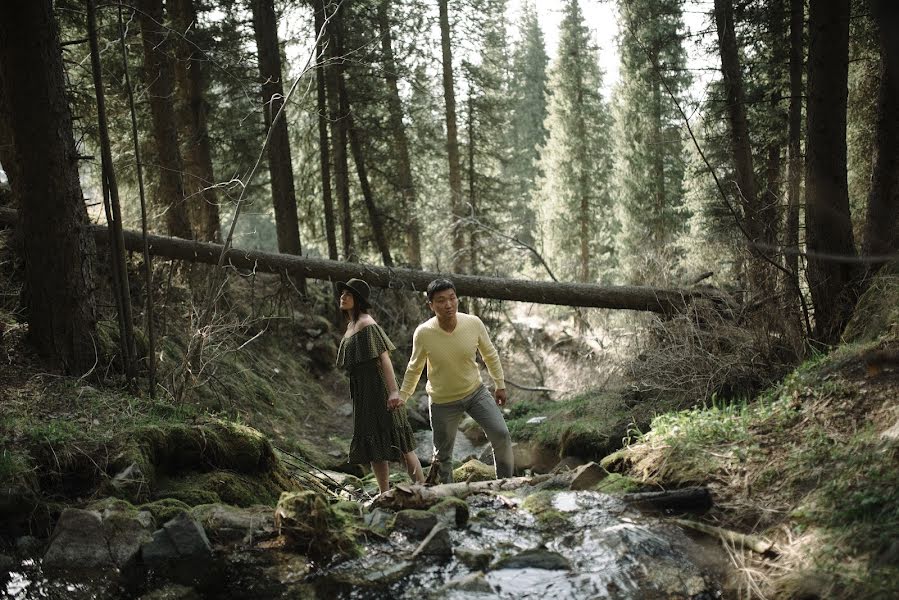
point(537, 558)
point(90, 540)
point(587, 476)
point(437, 543)
point(417, 523)
point(476, 560)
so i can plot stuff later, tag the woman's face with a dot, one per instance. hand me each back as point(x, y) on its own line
point(347, 302)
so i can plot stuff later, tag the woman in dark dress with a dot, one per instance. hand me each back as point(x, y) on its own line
point(381, 430)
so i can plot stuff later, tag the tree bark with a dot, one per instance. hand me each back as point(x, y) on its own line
point(160, 81)
point(190, 77)
point(408, 200)
point(881, 233)
point(323, 144)
point(791, 227)
point(740, 144)
point(57, 242)
point(8, 160)
point(828, 225)
point(642, 298)
point(284, 200)
point(339, 136)
point(374, 215)
point(452, 142)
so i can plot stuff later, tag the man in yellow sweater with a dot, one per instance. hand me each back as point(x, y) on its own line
point(448, 343)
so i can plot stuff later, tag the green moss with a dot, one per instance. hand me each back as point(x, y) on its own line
point(474, 470)
point(308, 522)
point(540, 504)
point(615, 483)
point(165, 509)
point(452, 508)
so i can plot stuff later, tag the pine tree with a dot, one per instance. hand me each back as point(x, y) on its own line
point(650, 152)
point(574, 194)
point(527, 132)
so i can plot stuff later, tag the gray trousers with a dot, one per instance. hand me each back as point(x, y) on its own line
point(481, 406)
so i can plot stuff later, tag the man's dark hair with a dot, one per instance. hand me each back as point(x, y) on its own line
point(438, 285)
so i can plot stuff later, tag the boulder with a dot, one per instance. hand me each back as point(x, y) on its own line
point(437, 543)
point(452, 512)
point(379, 521)
point(227, 524)
point(476, 560)
point(78, 542)
point(474, 470)
point(416, 523)
point(181, 539)
point(587, 476)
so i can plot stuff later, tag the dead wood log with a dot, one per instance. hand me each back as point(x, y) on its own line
point(405, 496)
point(755, 543)
point(693, 499)
point(642, 298)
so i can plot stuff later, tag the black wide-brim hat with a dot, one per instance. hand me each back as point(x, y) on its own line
point(360, 289)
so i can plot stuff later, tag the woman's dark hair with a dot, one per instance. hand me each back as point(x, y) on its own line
point(438, 285)
point(357, 310)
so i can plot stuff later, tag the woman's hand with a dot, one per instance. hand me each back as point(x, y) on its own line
point(393, 400)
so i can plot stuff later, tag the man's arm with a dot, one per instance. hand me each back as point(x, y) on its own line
point(491, 357)
point(416, 366)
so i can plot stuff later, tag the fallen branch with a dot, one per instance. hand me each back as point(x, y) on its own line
point(740, 540)
point(686, 499)
point(405, 496)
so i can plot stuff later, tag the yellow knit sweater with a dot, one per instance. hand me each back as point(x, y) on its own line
point(452, 368)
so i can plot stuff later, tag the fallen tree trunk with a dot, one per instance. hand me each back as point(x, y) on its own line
point(662, 300)
point(733, 538)
point(416, 496)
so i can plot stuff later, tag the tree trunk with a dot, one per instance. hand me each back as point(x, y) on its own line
point(339, 136)
point(324, 154)
point(828, 224)
point(8, 160)
point(452, 142)
point(284, 200)
point(662, 300)
point(160, 80)
point(57, 241)
point(740, 143)
point(408, 203)
point(791, 227)
point(881, 234)
point(190, 76)
point(374, 215)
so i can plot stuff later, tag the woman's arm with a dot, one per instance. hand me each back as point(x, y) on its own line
point(393, 392)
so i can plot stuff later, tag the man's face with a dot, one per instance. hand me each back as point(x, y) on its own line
point(444, 304)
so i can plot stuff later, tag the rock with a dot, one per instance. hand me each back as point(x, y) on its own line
point(125, 533)
point(227, 524)
point(172, 591)
point(476, 560)
point(188, 536)
point(379, 575)
point(7, 564)
point(534, 456)
point(471, 430)
point(474, 470)
point(418, 421)
point(78, 542)
point(28, 545)
point(452, 512)
point(473, 582)
point(438, 543)
point(538, 558)
point(379, 521)
point(308, 522)
point(568, 463)
point(417, 523)
point(587, 476)
point(345, 410)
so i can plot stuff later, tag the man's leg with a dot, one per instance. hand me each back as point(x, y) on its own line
point(483, 409)
point(445, 419)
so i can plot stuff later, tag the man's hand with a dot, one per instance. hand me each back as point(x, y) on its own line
point(394, 401)
point(501, 397)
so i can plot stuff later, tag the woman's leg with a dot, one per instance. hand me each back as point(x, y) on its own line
point(382, 473)
point(413, 467)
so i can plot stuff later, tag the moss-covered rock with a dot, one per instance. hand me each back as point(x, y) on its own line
point(474, 470)
point(540, 504)
point(452, 511)
point(165, 509)
point(311, 525)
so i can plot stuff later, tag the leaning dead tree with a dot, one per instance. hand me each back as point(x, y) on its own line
point(642, 298)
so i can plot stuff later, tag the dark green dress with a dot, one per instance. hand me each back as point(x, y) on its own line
point(378, 434)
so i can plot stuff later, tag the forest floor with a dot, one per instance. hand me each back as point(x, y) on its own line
point(812, 463)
